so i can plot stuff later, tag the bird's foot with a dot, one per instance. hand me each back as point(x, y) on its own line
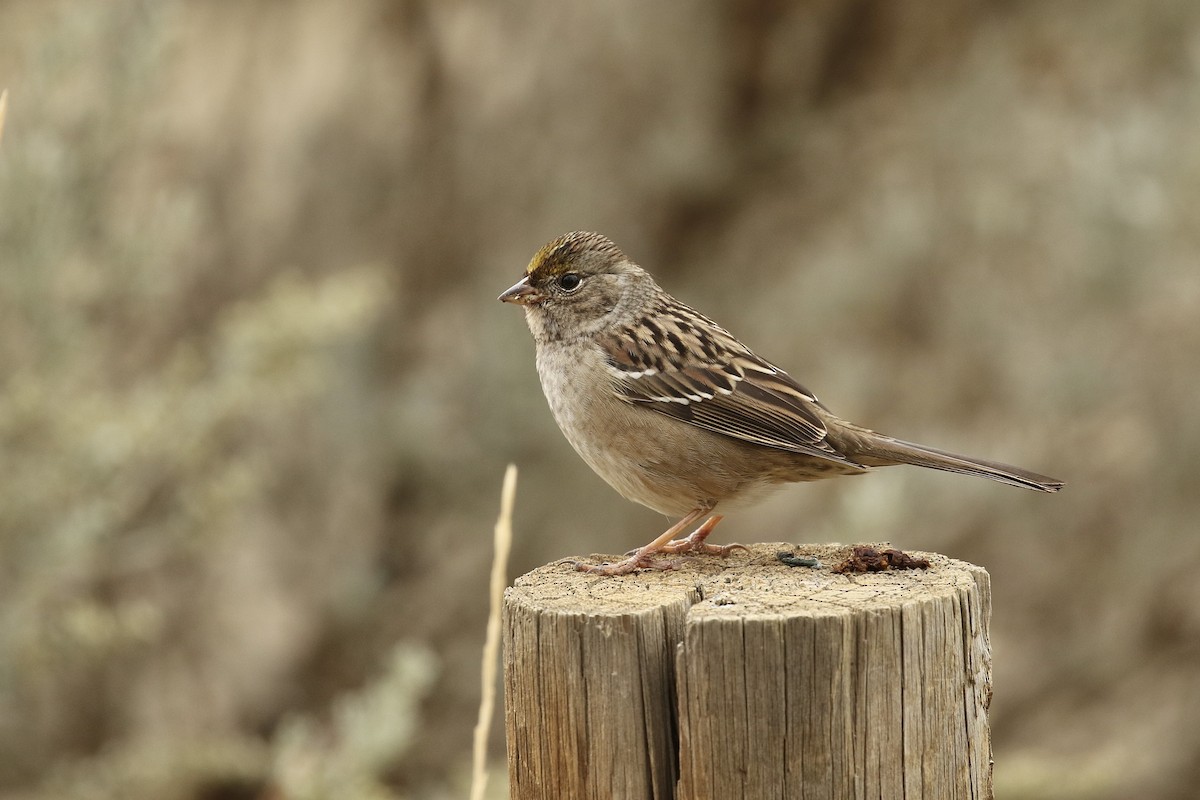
point(638, 560)
point(680, 546)
point(642, 557)
point(696, 544)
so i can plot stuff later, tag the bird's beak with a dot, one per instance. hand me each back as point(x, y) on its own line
point(522, 293)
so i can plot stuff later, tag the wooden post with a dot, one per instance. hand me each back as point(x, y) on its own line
point(747, 678)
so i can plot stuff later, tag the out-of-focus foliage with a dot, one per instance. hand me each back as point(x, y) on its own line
point(257, 393)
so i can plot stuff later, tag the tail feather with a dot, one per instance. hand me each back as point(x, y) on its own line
point(882, 450)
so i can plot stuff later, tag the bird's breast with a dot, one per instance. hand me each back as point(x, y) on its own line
point(648, 457)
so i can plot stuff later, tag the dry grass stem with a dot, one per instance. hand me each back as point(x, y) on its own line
point(491, 646)
point(3, 108)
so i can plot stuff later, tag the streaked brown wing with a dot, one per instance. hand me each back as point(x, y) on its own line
point(698, 373)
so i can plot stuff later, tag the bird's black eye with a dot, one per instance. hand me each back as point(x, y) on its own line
point(569, 281)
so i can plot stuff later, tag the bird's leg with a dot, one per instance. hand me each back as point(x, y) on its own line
point(641, 558)
point(696, 544)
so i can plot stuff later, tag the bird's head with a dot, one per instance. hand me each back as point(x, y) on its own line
point(577, 285)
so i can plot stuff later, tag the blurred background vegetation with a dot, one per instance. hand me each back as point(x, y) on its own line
point(257, 393)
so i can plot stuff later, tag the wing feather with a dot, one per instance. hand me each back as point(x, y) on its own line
point(686, 366)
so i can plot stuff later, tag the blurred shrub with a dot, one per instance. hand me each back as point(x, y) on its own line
point(368, 731)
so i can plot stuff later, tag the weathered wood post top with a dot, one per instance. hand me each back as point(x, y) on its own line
point(749, 678)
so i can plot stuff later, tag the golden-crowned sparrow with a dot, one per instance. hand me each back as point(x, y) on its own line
point(677, 414)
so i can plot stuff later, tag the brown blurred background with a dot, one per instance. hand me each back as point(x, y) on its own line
point(257, 393)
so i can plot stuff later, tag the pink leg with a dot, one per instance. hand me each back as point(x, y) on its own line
point(666, 543)
point(641, 558)
point(696, 544)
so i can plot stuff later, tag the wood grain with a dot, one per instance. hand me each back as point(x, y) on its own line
point(745, 678)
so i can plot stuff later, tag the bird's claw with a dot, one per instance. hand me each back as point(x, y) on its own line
point(679, 546)
point(682, 546)
point(635, 562)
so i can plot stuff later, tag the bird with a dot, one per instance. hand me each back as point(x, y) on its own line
point(675, 413)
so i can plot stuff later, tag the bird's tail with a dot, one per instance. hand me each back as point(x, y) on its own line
point(879, 450)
